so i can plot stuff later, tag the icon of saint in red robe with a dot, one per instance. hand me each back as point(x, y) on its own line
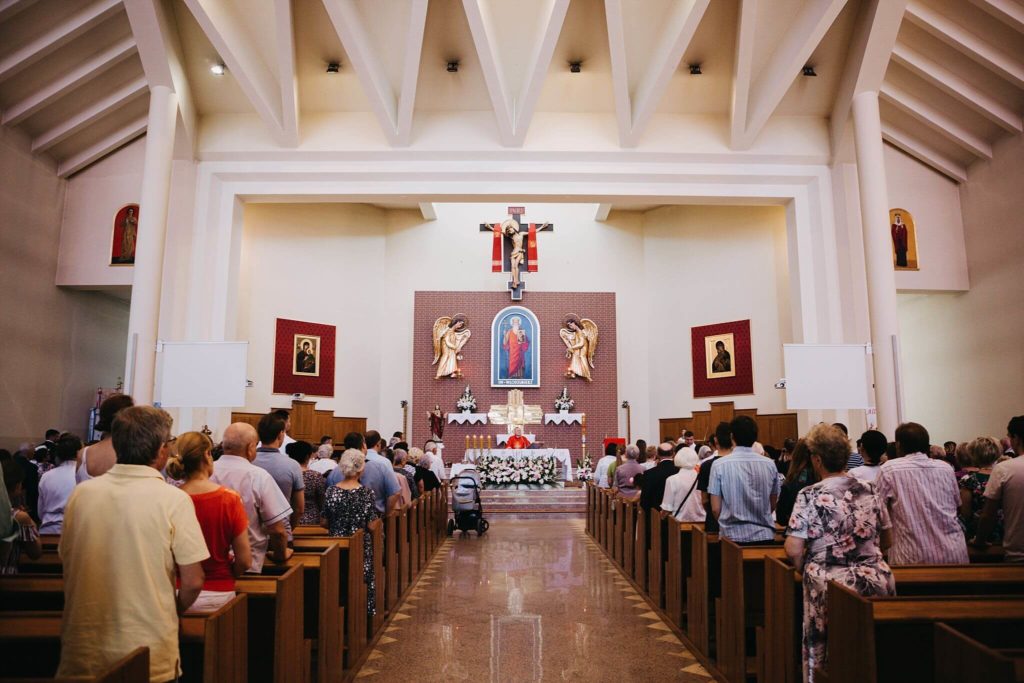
point(516, 344)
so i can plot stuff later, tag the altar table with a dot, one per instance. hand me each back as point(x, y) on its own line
point(559, 454)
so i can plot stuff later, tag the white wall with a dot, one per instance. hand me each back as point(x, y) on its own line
point(934, 201)
point(963, 354)
point(59, 345)
point(357, 267)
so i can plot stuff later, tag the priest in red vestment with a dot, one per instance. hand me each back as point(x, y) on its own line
point(517, 440)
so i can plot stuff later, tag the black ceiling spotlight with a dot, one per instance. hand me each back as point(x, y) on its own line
point(453, 66)
point(333, 67)
point(809, 70)
point(695, 70)
point(575, 66)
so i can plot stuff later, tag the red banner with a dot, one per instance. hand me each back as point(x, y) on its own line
point(496, 256)
point(531, 249)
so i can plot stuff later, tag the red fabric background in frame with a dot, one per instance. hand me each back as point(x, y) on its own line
point(743, 381)
point(284, 356)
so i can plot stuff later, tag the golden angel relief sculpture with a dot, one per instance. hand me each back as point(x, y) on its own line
point(450, 334)
point(580, 337)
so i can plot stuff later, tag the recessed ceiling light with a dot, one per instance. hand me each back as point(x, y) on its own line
point(808, 70)
point(453, 66)
point(218, 69)
point(575, 66)
point(333, 67)
point(695, 70)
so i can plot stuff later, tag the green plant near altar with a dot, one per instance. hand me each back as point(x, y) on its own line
point(496, 472)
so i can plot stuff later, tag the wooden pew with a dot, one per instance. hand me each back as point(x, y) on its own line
point(742, 606)
point(885, 640)
point(352, 592)
point(617, 531)
point(781, 660)
point(703, 589)
point(640, 550)
point(132, 668)
point(213, 646)
point(656, 557)
point(628, 536)
point(391, 559)
point(323, 613)
point(404, 561)
point(276, 645)
point(589, 525)
point(959, 658)
point(376, 531)
point(677, 569)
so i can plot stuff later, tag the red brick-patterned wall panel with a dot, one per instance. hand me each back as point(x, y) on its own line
point(598, 399)
point(285, 381)
point(743, 381)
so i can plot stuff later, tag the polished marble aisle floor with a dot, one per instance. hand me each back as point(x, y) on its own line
point(532, 600)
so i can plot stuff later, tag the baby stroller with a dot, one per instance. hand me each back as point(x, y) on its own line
point(469, 513)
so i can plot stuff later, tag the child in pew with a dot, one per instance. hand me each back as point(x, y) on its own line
point(27, 539)
point(837, 532)
point(221, 516)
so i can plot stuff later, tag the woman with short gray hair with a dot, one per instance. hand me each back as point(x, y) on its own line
point(348, 507)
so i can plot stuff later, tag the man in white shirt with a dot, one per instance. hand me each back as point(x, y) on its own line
point(601, 469)
point(1005, 491)
point(324, 463)
point(436, 463)
point(265, 505)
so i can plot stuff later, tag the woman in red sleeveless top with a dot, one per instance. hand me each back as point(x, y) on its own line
point(221, 516)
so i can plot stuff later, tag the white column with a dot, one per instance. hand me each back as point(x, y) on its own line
point(144, 316)
point(881, 279)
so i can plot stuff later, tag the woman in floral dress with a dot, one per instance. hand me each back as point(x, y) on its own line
point(836, 533)
point(348, 507)
point(983, 453)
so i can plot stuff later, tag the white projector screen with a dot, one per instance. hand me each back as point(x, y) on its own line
point(827, 376)
point(202, 374)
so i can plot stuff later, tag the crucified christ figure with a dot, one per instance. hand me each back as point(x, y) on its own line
point(511, 229)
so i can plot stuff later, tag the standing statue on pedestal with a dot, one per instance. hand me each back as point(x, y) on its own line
point(449, 335)
point(580, 338)
point(436, 419)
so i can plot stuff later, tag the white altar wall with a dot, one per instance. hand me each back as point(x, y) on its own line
point(357, 266)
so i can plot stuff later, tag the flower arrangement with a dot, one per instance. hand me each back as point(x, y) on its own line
point(585, 469)
point(563, 403)
point(466, 402)
point(498, 472)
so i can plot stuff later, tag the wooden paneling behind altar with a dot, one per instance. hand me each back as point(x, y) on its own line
point(309, 424)
point(772, 429)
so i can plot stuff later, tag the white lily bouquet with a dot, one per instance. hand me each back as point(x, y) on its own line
point(585, 469)
point(563, 403)
point(466, 402)
point(498, 472)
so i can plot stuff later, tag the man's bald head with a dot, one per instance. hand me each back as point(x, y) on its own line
point(239, 439)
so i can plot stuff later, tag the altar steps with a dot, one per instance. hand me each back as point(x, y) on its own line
point(569, 501)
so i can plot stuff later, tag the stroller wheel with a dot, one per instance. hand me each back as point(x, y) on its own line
point(482, 526)
point(451, 527)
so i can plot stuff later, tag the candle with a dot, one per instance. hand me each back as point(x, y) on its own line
point(467, 442)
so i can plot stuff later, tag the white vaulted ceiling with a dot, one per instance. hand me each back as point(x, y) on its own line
point(74, 74)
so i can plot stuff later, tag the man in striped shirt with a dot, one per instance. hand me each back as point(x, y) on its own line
point(744, 488)
point(922, 498)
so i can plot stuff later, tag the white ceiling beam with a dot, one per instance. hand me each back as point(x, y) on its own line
point(676, 36)
point(935, 119)
point(8, 8)
point(75, 78)
point(923, 153)
point(803, 35)
point(1006, 11)
point(288, 80)
point(428, 211)
point(411, 71)
point(486, 52)
point(965, 42)
point(102, 148)
point(620, 72)
point(243, 56)
point(162, 57)
point(540, 60)
point(602, 212)
point(60, 34)
point(344, 14)
point(958, 88)
point(867, 59)
point(742, 71)
point(90, 115)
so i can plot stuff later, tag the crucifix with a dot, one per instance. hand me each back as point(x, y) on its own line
point(514, 248)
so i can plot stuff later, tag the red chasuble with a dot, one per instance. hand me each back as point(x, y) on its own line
point(517, 442)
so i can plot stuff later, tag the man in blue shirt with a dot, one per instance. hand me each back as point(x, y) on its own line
point(285, 471)
point(744, 488)
point(378, 475)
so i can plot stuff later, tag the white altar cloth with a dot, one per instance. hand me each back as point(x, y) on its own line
point(559, 454)
point(563, 418)
point(467, 418)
